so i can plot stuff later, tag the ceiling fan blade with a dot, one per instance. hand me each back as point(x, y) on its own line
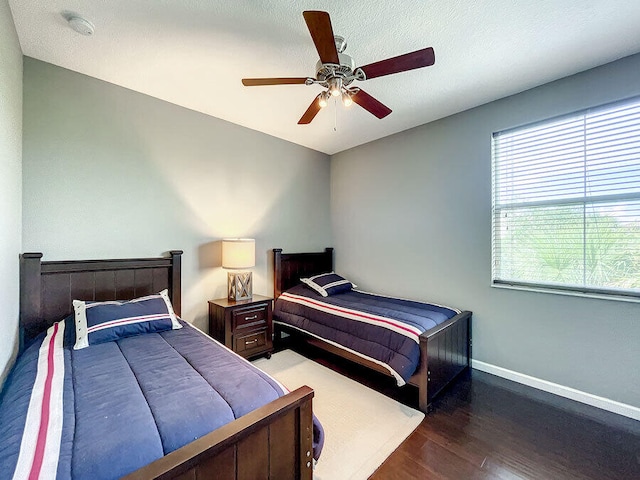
point(409, 61)
point(254, 82)
point(319, 25)
point(370, 104)
point(311, 112)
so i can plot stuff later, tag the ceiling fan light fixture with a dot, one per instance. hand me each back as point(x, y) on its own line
point(323, 101)
point(347, 101)
point(335, 86)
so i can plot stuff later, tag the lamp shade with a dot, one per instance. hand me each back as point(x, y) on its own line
point(238, 253)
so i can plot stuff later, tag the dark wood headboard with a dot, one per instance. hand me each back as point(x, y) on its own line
point(288, 268)
point(47, 289)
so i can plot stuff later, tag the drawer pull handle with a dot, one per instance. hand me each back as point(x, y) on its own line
point(251, 318)
point(255, 340)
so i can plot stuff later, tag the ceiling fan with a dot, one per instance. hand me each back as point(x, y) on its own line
point(336, 70)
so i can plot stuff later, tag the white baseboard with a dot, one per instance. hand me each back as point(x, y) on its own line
point(567, 392)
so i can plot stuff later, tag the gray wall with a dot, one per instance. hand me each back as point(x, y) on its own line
point(10, 184)
point(112, 173)
point(411, 216)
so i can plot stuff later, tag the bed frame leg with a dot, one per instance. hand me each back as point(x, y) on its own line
point(423, 382)
point(423, 405)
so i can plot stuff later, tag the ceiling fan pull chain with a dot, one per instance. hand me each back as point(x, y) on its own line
point(335, 114)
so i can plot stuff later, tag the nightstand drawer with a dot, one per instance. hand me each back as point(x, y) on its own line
point(255, 340)
point(250, 317)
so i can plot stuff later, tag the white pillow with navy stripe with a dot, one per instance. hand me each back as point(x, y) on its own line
point(327, 284)
point(100, 322)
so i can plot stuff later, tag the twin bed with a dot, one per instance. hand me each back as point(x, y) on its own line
point(167, 404)
point(104, 401)
point(419, 344)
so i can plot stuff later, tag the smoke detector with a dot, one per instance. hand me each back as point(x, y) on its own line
point(80, 25)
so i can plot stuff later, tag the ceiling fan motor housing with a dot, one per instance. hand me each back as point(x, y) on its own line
point(325, 71)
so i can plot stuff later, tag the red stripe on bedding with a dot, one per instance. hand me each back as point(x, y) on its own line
point(353, 312)
point(36, 466)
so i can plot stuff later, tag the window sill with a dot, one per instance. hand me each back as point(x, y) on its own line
point(552, 291)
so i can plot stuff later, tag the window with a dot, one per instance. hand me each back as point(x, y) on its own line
point(566, 202)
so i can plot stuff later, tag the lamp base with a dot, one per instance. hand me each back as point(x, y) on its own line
point(240, 286)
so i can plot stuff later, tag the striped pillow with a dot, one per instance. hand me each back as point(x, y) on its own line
point(327, 284)
point(100, 322)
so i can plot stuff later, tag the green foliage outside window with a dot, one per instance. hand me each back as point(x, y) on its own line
point(571, 245)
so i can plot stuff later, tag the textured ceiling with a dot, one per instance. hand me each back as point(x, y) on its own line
point(194, 52)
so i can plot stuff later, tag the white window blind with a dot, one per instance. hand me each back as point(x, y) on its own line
point(566, 202)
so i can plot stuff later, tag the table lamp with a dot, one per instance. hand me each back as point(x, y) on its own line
point(239, 254)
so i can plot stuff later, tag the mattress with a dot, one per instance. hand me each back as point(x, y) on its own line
point(107, 410)
point(381, 329)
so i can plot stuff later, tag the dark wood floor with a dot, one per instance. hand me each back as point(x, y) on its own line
point(486, 427)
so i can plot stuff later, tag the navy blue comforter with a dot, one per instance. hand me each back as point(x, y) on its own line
point(114, 407)
point(382, 329)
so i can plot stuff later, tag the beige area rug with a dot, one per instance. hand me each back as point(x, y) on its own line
point(362, 427)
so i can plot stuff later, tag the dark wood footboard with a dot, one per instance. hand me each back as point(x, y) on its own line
point(272, 442)
point(445, 351)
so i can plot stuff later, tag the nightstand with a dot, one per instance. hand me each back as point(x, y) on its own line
point(245, 326)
